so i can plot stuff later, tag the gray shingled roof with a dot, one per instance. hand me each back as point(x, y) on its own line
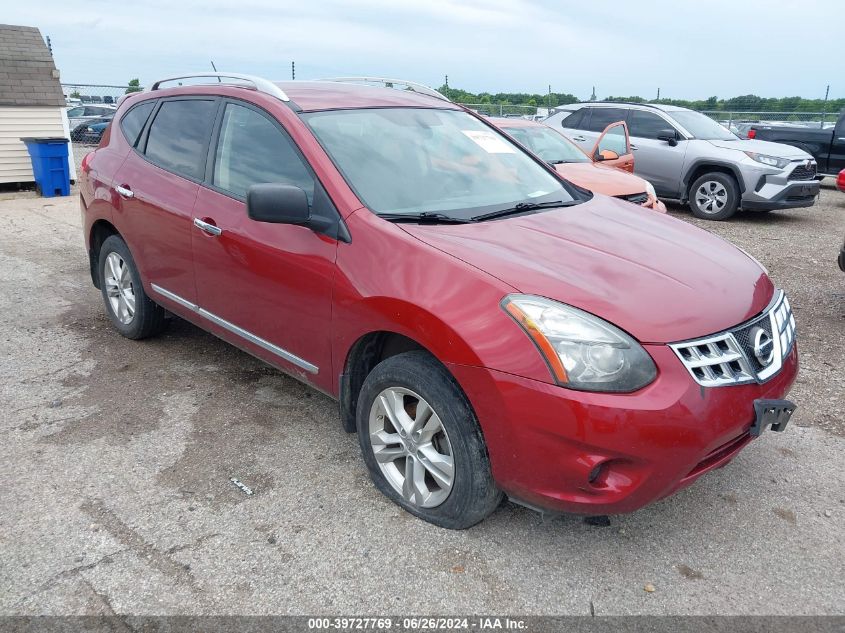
point(27, 69)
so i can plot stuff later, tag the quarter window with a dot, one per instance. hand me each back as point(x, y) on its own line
point(251, 150)
point(575, 120)
point(179, 134)
point(600, 118)
point(133, 121)
point(646, 124)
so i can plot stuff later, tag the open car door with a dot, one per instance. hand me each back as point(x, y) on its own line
point(613, 148)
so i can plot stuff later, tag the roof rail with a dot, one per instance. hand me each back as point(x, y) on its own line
point(252, 83)
point(411, 85)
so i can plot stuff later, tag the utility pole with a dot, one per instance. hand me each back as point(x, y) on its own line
point(658, 94)
point(447, 86)
point(549, 103)
point(293, 70)
point(824, 103)
point(49, 46)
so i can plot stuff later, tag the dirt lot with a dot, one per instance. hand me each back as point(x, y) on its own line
point(117, 457)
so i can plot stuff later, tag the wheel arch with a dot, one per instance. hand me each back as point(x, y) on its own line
point(701, 167)
point(361, 358)
point(100, 231)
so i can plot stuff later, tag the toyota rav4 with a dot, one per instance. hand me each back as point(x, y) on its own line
point(487, 327)
point(689, 157)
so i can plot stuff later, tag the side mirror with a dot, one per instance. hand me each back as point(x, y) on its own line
point(605, 154)
point(670, 136)
point(279, 204)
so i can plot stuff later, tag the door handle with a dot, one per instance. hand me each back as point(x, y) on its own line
point(634, 147)
point(580, 139)
point(124, 192)
point(208, 229)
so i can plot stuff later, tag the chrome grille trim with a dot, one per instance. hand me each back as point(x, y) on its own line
point(727, 358)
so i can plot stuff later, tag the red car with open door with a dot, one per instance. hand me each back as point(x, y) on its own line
point(607, 169)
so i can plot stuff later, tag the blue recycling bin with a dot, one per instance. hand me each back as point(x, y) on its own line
point(49, 165)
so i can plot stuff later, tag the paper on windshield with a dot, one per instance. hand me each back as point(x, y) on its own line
point(489, 142)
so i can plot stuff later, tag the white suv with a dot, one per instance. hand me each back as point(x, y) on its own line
point(689, 157)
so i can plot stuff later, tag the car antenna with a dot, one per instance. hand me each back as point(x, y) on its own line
point(214, 68)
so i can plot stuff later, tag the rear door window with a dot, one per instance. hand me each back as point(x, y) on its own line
point(133, 121)
point(178, 136)
point(600, 118)
point(646, 124)
point(251, 149)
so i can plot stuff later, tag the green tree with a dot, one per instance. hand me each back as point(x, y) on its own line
point(75, 94)
point(133, 86)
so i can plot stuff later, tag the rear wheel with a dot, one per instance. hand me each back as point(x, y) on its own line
point(422, 444)
point(714, 196)
point(134, 314)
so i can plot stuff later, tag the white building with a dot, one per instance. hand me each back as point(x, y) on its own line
point(31, 100)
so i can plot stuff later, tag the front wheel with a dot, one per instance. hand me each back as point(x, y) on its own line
point(714, 196)
point(422, 443)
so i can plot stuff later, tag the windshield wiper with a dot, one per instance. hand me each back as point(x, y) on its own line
point(522, 207)
point(426, 217)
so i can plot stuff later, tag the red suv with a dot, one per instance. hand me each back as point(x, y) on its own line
point(487, 327)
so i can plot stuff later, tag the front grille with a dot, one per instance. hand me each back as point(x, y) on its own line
point(751, 352)
point(636, 198)
point(806, 171)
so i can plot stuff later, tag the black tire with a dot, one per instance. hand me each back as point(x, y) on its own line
point(148, 318)
point(718, 181)
point(473, 495)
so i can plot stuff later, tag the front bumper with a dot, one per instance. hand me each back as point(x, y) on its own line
point(590, 453)
point(767, 189)
point(655, 205)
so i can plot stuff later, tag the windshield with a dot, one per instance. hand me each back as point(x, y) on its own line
point(702, 126)
point(415, 160)
point(547, 144)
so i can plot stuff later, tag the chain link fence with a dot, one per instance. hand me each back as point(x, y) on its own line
point(90, 108)
point(506, 110)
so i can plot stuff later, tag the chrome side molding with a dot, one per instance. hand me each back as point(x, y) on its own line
point(234, 329)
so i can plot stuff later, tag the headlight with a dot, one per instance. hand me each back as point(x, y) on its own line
point(649, 189)
point(771, 161)
point(582, 351)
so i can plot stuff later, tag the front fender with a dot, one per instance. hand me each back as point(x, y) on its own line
point(390, 281)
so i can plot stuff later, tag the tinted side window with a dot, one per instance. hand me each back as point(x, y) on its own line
point(602, 117)
point(574, 120)
point(251, 149)
point(133, 121)
point(645, 124)
point(76, 112)
point(179, 134)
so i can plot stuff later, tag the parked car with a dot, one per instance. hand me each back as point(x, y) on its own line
point(605, 172)
point(80, 114)
point(90, 132)
point(690, 157)
point(826, 145)
point(487, 327)
point(840, 181)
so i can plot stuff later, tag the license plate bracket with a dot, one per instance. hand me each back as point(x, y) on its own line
point(771, 413)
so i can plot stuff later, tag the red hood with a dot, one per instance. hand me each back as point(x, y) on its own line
point(659, 278)
point(606, 180)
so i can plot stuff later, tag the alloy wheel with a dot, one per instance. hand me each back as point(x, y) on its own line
point(411, 447)
point(711, 197)
point(119, 288)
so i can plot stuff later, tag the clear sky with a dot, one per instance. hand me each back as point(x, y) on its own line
point(687, 48)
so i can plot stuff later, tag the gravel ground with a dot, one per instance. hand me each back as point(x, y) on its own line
point(117, 457)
